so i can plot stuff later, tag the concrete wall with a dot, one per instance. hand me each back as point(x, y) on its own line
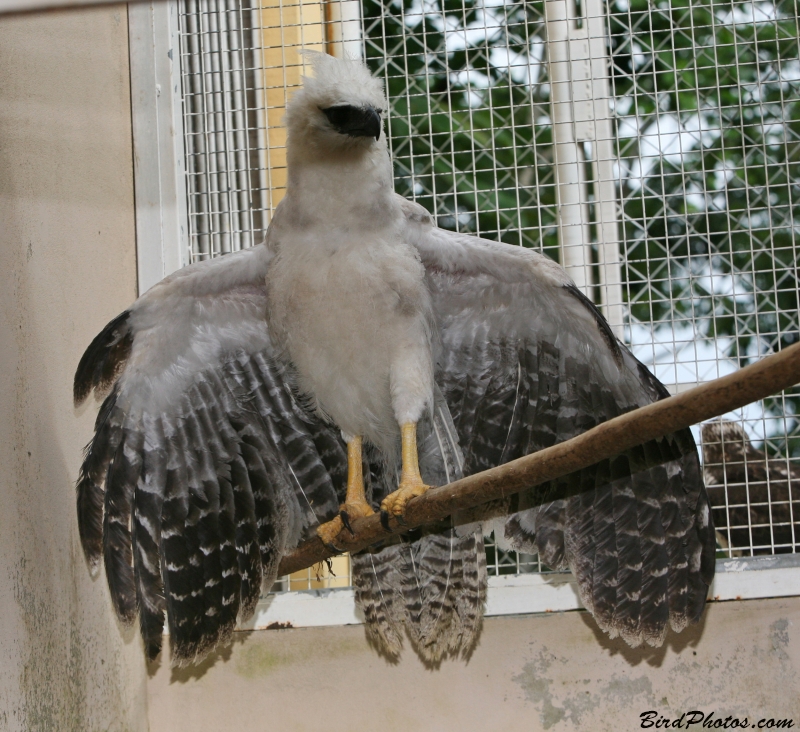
point(554, 671)
point(67, 265)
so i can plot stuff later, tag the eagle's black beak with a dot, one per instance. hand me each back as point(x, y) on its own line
point(354, 121)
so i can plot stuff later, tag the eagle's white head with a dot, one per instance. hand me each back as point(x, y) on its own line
point(340, 107)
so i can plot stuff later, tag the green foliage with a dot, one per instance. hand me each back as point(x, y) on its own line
point(710, 232)
point(470, 142)
point(707, 125)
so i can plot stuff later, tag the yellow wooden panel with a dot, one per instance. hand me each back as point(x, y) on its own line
point(320, 577)
point(286, 29)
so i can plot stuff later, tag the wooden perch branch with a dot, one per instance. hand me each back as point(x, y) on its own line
point(757, 381)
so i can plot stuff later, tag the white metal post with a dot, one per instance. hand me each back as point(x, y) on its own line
point(344, 29)
point(162, 239)
point(582, 136)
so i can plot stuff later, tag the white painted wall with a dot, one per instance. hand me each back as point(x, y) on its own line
point(538, 672)
point(67, 265)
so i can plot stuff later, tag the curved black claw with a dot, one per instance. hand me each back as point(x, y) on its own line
point(346, 521)
point(332, 547)
point(385, 520)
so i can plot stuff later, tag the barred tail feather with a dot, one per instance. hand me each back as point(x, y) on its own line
point(438, 565)
point(438, 574)
point(471, 601)
point(432, 587)
point(377, 576)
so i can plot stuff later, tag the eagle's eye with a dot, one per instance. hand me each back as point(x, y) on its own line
point(354, 121)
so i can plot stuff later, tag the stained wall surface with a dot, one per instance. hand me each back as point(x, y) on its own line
point(553, 671)
point(67, 265)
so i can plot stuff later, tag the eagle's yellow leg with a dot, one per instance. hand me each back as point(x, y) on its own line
point(355, 503)
point(411, 484)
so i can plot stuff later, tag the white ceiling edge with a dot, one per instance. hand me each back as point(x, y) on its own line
point(35, 6)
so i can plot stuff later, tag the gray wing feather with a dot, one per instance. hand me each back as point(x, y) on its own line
point(527, 361)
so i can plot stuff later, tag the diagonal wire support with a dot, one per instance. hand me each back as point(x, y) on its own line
point(757, 381)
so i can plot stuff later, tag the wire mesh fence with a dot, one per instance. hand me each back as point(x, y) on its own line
point(221, 124)
point(707, 116)
point(703, 144)
point(469, 122)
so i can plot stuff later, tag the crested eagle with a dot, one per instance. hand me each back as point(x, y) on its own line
point(754, 496)
point(356, 357)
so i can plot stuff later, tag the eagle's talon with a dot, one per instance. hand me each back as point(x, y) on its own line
point(347, 511)
point(397, 502)
point(346, 521)
point(328, 531)
point(385, 520)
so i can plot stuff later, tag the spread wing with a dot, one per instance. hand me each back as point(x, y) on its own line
point(204, 469)
point(527, 361)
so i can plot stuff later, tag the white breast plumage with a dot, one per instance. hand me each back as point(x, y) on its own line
point(346, 313)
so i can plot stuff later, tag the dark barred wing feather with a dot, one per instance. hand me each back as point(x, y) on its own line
point(527, 361)
point(148, 500)
point(204, 469)
point(92, 477)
